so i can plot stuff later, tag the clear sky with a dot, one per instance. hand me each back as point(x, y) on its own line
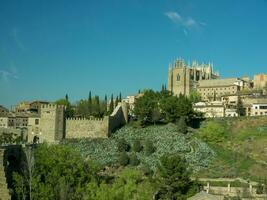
point(52, 47)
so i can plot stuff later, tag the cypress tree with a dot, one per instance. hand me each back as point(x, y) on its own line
point(111, 105)
point(120, 97)
point(116, 101)
point(90, 103)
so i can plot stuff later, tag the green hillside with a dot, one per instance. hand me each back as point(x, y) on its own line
point(234, 147)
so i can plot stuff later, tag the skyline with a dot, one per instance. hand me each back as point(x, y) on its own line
point(52, 48)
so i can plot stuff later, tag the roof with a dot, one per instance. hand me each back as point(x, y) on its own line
point(218, 82)
point(205, 196)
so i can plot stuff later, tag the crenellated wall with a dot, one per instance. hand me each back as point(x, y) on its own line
point(97, 128)
point(84, 128)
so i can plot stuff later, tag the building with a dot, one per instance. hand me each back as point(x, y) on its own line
point(32, 107)
point(3, 110)
point(131, 100)
point(210, 109)
point(211, 90)
point(183, 78)
point(260, 81)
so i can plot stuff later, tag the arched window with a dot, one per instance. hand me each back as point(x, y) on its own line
point(178, 77)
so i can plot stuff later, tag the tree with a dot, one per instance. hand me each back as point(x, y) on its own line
point(116, 101)
point(123, 159)
point(239, 107)
point(182, 126)
point(146, 105)
point(137, 147)
point(120, 98)
point(174, 178)
point(123, 145)
point(134, 161)
point(89, 103)
point(194, 96)
point(69, 112)
point(111, 105)
point(213, 132)
point(149, 148)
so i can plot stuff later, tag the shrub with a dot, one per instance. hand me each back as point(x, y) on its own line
point(149, 147)
point(137, 147)
point(123, 159)
point(134, 161)
point(182, 126)
point(123, 145)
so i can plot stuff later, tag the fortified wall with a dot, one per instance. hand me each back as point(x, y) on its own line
point(97, 128)
point(82, 128)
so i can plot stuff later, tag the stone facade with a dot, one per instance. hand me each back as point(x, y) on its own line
point(210, 110)
point(97, 128)
point(183, 78)
point(84, 128)
point(215, 89)
point(260, 81)
point(52, 123)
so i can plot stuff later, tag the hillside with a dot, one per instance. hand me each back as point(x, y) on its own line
point(242, 151)
point(234, 147)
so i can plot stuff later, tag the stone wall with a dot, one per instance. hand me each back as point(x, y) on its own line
point(52, 123)
point(97, 128)
point(4, 192)
point(118, 118)
point(84, 128)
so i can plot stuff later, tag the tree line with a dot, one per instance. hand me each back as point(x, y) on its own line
point(163, 107)
point(93, 106)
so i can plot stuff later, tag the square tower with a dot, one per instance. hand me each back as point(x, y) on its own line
point(52, 123)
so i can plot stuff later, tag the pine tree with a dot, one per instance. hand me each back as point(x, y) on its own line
point(67, 97)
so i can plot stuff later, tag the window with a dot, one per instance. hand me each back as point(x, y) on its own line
point(178, 77)
point(36, 121)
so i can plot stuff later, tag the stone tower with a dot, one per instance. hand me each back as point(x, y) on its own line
point(183, 78)
point(52, 123)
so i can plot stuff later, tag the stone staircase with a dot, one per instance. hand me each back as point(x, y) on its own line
point(4, 192)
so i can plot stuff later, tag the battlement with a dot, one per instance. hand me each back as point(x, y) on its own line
point(52, 106)
point(84, 119)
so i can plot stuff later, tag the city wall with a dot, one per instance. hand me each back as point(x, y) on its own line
point(97, 128)
point(84, 128)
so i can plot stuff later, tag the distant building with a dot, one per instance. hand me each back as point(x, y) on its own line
point(3, 110)
point(183, 78)
point(211, 90)
point(211, 109)
point(131, 100)
point(260, 81)
point(34, 106)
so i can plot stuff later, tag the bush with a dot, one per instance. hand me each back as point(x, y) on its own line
point(123, 145)
point(149, 148)
point(123, 159)
point(134, 161)
point(137, 147)
point(182, 126)
point(146, 170)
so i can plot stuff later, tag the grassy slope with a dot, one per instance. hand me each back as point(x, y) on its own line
point(243, 153)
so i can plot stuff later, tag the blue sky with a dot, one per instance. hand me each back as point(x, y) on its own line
point(52, 47)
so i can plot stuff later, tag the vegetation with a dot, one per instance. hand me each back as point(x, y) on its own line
point(58, 172)
point(156, 141)
point(174, 178)
point(162, 107)
point(90, 107)
point(239, 145)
